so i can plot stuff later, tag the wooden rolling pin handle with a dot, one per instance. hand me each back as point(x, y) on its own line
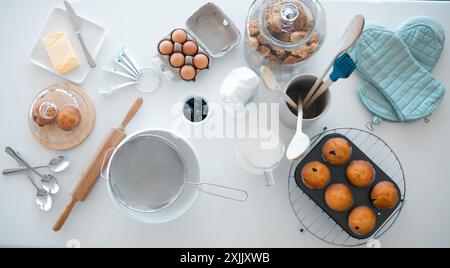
point(132, 113)
point(64, 216)
point(90, 177)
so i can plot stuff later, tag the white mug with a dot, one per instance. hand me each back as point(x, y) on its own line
point(302, 84)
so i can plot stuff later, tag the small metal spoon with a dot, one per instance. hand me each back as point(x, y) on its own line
point(56, 165)
point(43, 199)
point(49, 182)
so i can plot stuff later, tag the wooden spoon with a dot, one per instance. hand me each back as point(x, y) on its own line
point(351, 35)
point(272, 84)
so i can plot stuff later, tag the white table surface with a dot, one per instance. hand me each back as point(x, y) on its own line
point(266, 219)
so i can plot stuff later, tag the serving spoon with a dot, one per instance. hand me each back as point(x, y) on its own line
point(301, 142)
point(44, 200)
point(56, 165)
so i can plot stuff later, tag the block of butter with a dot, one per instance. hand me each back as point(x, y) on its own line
point(61, 52)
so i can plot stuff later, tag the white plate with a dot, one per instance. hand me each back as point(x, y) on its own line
point(189, 194)
point(59, 21)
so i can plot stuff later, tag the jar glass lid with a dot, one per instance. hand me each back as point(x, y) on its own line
point(288, 21)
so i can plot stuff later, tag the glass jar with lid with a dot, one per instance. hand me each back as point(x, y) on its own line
point(284, 35)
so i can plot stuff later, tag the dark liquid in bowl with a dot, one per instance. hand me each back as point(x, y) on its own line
point(196, 109)
point(302, 88)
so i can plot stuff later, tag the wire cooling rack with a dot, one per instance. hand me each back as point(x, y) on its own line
point(315, 221)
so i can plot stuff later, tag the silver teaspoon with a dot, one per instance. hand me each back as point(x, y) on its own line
point(56, 165)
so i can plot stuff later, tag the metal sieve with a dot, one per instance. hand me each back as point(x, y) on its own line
point(148, 174)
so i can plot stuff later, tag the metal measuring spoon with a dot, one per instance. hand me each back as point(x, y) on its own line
point(56, 165)
point(110, 69)
point(43, 198)
point(131, 59)
point(122, 56)
point(122, 64)
point(49, 182)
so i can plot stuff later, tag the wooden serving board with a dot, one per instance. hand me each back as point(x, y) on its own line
point(63, 94)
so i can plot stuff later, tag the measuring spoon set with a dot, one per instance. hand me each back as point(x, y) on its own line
point(125, 65)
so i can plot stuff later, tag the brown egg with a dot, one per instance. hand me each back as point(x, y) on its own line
point(190, 48)
point(166, 47)
point(201, 61)
point(179, 36)
point(177, 60)
point(188, 73)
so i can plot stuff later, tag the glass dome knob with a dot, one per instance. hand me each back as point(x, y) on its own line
point(289, 13)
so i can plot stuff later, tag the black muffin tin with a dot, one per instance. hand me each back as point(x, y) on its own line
point(361, 196)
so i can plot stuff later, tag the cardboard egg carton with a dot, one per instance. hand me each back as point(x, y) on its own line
point(212, 30)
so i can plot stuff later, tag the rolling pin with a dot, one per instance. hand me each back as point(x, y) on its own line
point(90, 177)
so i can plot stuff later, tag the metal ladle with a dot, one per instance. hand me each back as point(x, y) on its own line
point(49, 182)
point(56, 165)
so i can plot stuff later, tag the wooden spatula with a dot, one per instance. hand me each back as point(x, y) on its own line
point(90, 177)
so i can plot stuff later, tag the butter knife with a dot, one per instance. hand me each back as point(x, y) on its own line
point(76, 23)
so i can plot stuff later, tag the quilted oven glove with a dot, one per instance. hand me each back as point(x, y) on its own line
point(396, 65)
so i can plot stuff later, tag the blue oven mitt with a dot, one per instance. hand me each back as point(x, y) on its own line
point(400, 87)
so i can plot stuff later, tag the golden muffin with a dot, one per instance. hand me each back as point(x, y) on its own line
point(337, 151)
point(360, 173)
point(316, 175)
point(68, 118)
point(339, 197)
point(385, 195)
point(362, 220)
point(50, 113)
